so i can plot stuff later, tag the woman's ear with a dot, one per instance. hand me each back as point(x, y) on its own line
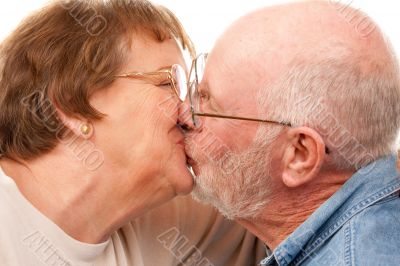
point(303, 157)
point(79, 127)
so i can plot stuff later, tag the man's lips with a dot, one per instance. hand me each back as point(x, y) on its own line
point(189, 159)
point(181, 142)
point(192, 163)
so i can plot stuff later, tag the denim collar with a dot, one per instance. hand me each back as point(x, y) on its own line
point(366, 187)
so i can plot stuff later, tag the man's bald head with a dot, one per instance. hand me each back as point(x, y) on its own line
point(273, 37)
point(314, 50)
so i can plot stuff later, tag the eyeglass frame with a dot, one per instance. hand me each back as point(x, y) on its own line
point(203, 114)
point(147, 75)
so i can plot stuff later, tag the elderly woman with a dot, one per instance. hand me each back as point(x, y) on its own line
point(89, 99)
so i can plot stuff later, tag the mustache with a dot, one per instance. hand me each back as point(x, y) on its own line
point(205, 147)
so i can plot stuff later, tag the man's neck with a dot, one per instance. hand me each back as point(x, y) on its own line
point(290, 207)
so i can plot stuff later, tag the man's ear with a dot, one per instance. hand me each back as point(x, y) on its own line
point(303, 157)
point(79, 127)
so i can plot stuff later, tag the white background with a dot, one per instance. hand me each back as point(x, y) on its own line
point(206, 19)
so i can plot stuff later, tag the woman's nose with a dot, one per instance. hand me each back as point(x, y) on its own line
point(185, 119)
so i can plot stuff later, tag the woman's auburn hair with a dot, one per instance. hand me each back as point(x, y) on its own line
point(60, 56)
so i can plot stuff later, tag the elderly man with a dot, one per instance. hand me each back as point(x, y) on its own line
point(66, 195)
point(293, 131)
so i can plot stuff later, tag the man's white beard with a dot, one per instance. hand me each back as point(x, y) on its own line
point(244, 192)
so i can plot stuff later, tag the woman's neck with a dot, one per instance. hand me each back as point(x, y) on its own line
point(64, 194)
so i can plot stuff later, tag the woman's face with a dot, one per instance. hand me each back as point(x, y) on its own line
point(142, 145)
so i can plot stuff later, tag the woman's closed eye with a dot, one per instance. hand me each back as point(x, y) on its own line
point(165, 84)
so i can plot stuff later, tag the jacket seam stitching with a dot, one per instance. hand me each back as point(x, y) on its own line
point(347, 243)
point(393, 187)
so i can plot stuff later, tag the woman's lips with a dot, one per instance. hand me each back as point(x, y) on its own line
point(177, 136)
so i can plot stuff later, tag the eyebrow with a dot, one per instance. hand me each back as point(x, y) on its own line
point(164, 68)
point(141, 71)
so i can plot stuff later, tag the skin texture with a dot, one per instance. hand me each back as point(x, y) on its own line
point(144, 159)
point(252, 54)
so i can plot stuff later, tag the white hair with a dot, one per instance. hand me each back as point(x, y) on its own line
point(352, 100)
point(245, 192)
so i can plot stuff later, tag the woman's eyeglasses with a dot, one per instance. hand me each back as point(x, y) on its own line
point(174, 75)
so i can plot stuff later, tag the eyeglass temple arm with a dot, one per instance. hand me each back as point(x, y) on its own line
point(243, 118)
point(143, 74)
point(327, 151)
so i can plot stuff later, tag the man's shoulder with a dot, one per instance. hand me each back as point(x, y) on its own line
point(371, 237)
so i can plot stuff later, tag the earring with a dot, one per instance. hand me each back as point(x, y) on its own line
point(85, 129)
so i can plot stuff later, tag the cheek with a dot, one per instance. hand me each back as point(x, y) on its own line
point(225, 136)
point(209, 144)
point(158, 120)
point(167, 105)
point(137, 123)
point(158, 110)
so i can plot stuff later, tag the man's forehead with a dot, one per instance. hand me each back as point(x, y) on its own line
point(229, 85)
point(228, 72)
point(220, 74)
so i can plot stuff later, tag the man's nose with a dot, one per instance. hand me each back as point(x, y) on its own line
point(185, 119)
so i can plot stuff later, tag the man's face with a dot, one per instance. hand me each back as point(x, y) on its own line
point(230, 157)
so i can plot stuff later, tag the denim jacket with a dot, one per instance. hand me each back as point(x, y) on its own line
point(359, 225)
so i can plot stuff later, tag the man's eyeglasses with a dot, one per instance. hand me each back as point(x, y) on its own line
point(195, 77)
point(175, 76)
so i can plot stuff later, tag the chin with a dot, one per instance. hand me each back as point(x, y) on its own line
point(182, 178)
point(185, 184)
